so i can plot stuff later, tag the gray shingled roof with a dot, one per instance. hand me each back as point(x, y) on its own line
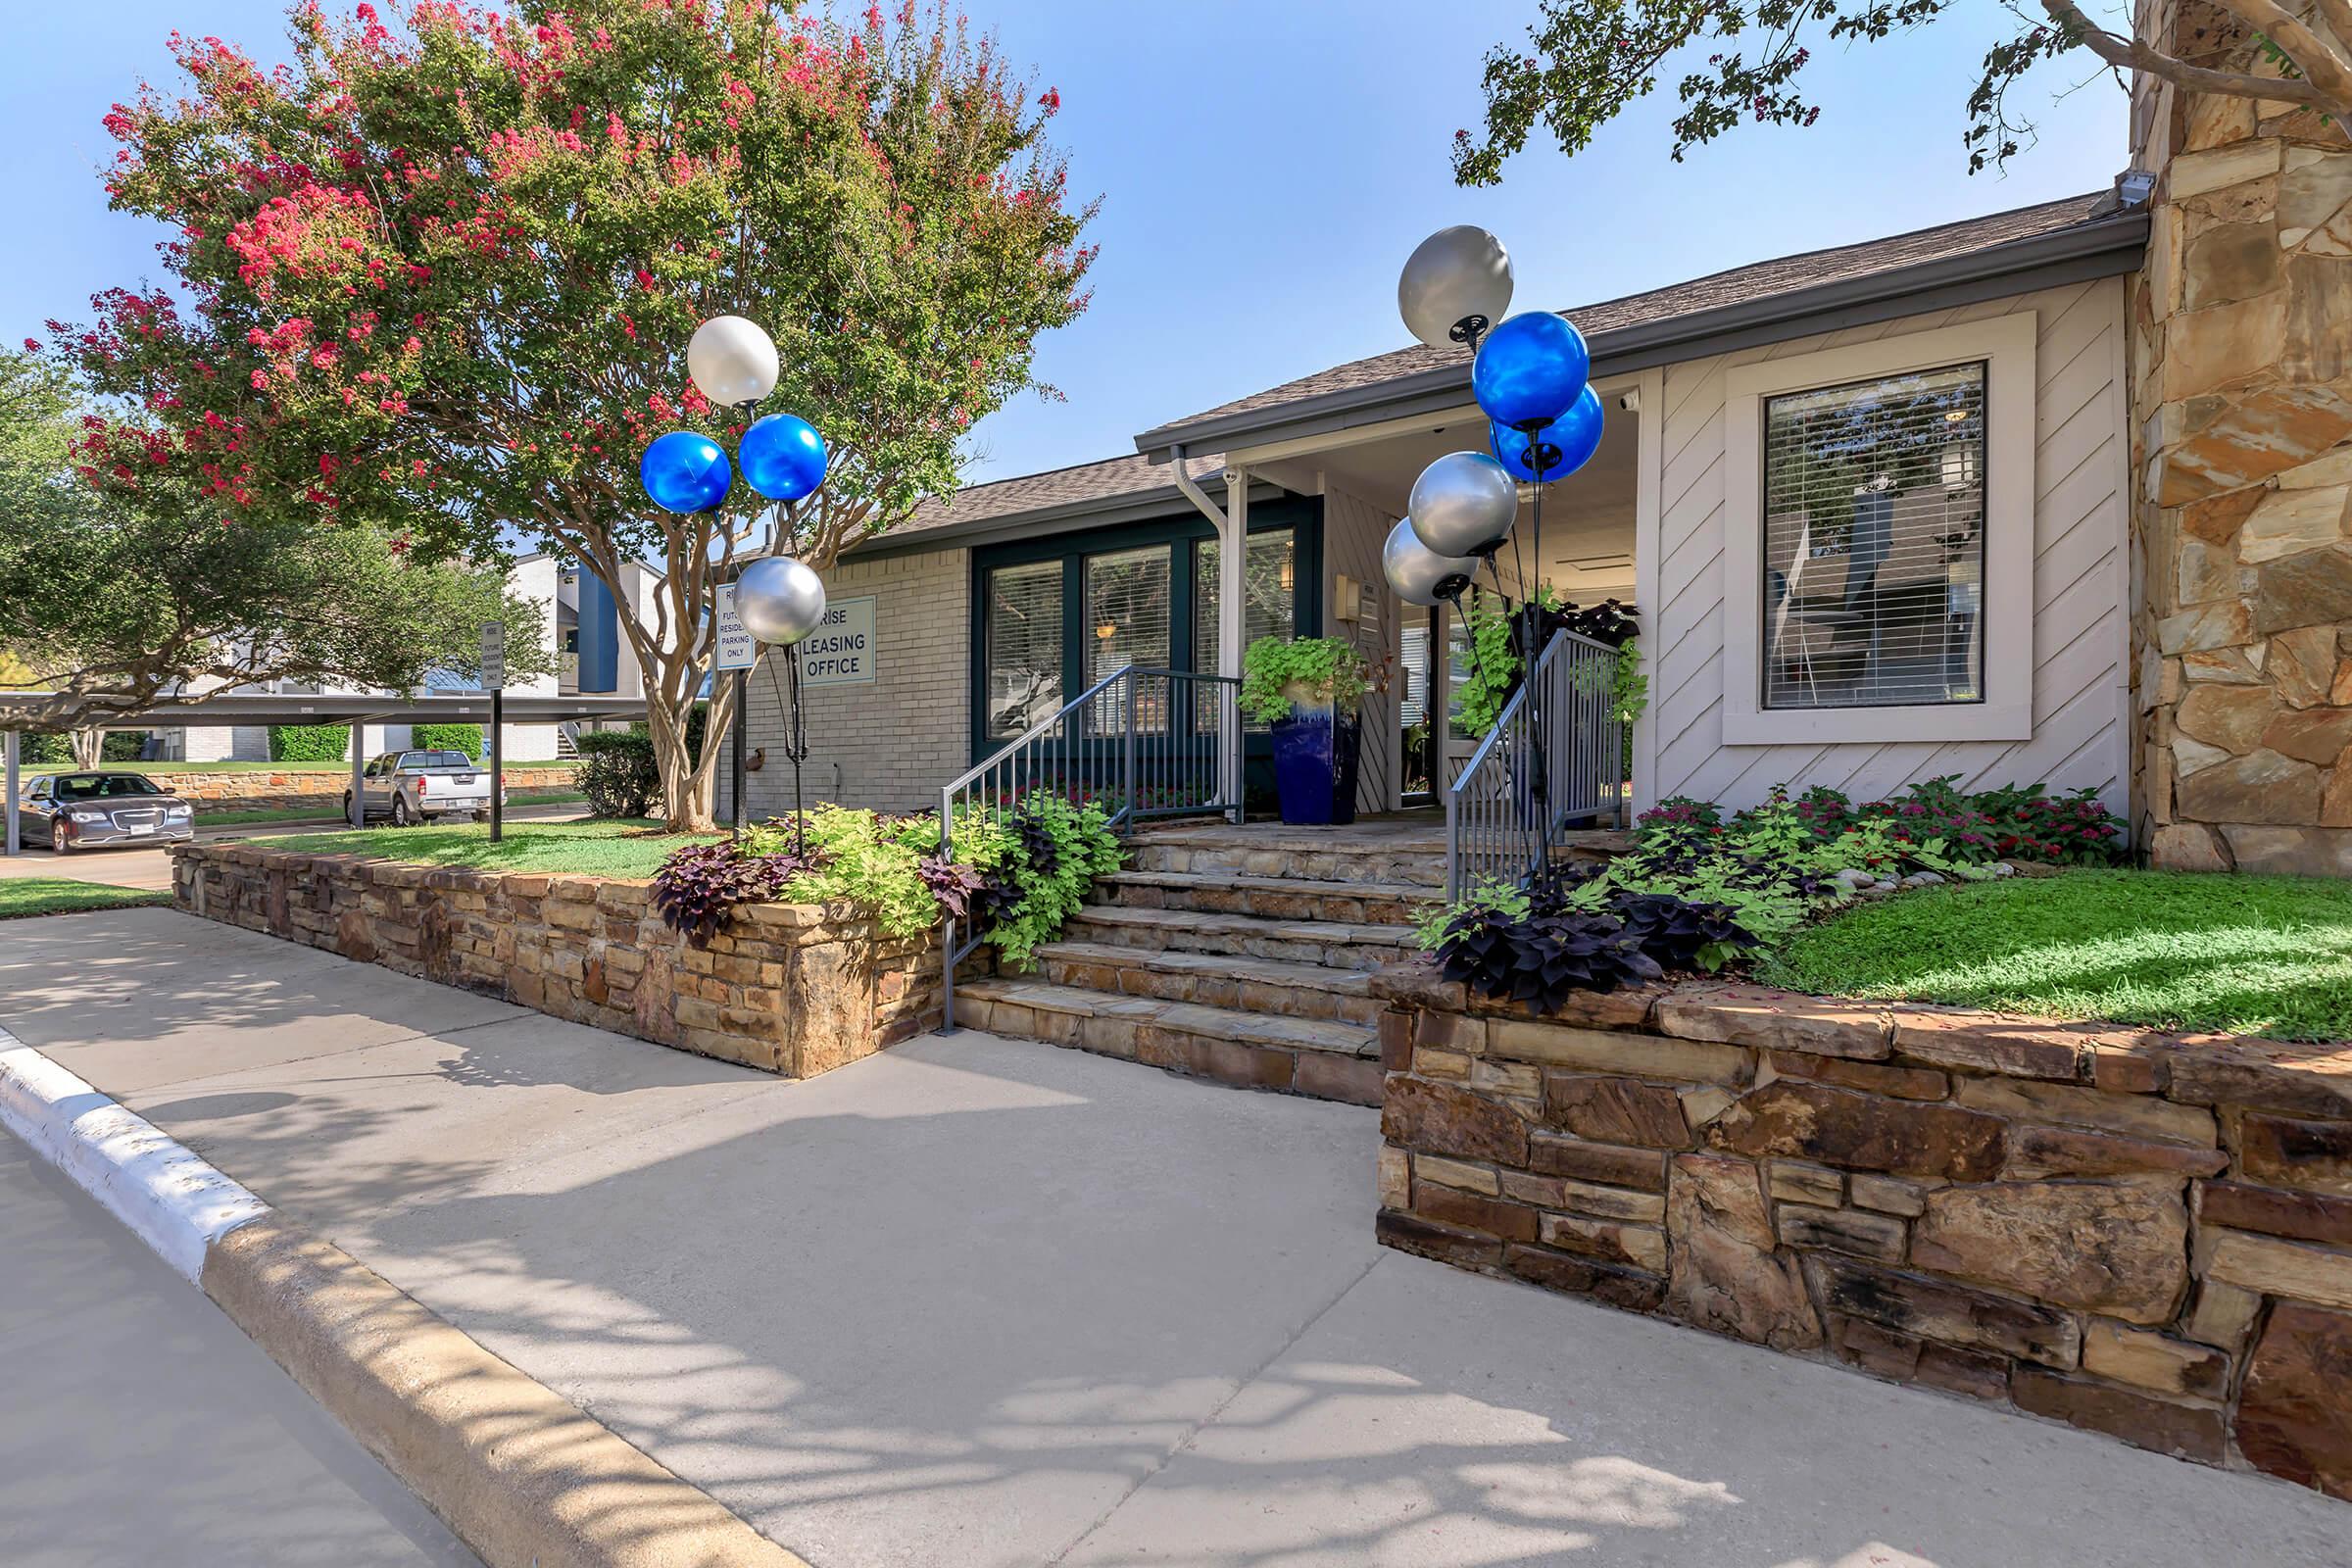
point(1134, 477)
point(1739, 285)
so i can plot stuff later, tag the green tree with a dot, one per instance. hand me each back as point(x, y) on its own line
point(447, 269)
point(1587, 60)
point(113, 600)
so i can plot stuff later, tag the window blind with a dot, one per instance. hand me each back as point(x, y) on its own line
point(1127, 624)
point(1023, 640)
point(1269, 602)
point(1874, 542)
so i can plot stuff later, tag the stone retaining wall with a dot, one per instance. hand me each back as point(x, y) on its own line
point(791, 989)
point(2144, 1235)
point(287, 789)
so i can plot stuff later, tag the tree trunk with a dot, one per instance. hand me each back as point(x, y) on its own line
point(89, 747)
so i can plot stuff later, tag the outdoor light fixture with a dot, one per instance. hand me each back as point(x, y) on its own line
point(1456, 283)
point(1531, 375)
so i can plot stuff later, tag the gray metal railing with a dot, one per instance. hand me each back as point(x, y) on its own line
point(1140, 743)
point(1499, 816)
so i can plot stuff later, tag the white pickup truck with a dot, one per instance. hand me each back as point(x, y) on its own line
point(419, 786)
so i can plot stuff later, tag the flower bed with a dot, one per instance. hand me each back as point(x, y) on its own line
point(2141, 1234)
point(791, 989)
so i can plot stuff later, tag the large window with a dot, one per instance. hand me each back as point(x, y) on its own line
point(1874, 542)
point(1878, 528)
point(1023, 647)
point(1058, 615)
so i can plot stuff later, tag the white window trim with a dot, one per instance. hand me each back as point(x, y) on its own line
point(2006, 345)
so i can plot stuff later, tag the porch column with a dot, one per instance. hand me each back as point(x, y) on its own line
point(1233, 557)
point(8, 744)
point(359, 766)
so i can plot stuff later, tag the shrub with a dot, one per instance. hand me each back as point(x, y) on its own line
point(1329, 667)
point(309, 742)
point(1535, 948)
point(122, 746)
point(1020, 872)
point(467, 738)
point(45, 750)
point(616, 772)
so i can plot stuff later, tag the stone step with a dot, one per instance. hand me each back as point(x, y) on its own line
point(1336, 944)
point(1262, 986)
point(1273, 897)
point(1323, 859)
point(1323, 1059)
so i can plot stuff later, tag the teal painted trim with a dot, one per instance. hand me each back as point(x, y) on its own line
point(1303, 514)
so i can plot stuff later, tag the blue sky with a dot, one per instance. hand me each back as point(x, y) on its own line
point(1266, 166)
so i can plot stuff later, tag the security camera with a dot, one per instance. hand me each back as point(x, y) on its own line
point(1630, 400)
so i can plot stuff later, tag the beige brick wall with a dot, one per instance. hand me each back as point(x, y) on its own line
point(890, 744)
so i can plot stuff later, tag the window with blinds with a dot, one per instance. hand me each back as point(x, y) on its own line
point(1022, 644)
point(1127, 623)
point(1269, 600)
point(1874, 542)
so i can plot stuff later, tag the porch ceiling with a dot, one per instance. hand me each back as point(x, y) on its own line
point(1382, 471)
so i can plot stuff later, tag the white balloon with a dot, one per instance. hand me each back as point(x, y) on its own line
point(1463, 503)
point(1454, 275)
point(779, 599)
point(1418, 573)
point(732, 361)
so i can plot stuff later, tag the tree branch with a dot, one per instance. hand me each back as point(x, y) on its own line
point(2323, 62)
point(2129, 54)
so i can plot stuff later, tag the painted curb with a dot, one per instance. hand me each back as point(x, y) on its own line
point(524, 1477)
point(179, 1204)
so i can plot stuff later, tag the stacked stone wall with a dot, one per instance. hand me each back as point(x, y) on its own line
point(2241, 358)
point(790, 989)
point(290, 789)
point(2144, 1235)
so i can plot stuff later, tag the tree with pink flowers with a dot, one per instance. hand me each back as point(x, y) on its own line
point(440, 273)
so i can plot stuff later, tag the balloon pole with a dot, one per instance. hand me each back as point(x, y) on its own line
point(796, 749)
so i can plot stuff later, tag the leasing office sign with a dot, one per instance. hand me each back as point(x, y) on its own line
point(841, 652)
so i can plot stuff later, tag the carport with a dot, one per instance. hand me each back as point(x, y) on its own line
point(357, 709)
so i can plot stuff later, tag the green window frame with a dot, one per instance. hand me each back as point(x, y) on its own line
point(1188, 645)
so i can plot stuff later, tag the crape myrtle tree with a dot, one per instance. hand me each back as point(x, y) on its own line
point(445, 266)
point(1587, 60)
point(112, 599)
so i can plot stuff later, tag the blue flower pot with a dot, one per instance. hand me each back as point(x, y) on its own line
point(1315, 751)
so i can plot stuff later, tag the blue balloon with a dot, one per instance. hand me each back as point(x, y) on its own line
point(1573, 438)
point(1530, 370)
point(783, 458)
point(685, 473)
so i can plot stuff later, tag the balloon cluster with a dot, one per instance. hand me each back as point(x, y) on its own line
point(1530, 376)
point(733, 363)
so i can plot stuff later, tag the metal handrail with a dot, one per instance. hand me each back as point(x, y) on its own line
point(1107, 742)
point(1500, 818)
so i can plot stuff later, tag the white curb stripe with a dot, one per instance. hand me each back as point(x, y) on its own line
point(179, 1204)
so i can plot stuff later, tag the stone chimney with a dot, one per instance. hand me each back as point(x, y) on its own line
point(2241, 360)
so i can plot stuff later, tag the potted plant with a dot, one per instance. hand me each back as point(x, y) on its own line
point(1309, 690)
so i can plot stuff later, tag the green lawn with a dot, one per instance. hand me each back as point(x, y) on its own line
point(621, 847)
point(57, 894)
point(2248, 955)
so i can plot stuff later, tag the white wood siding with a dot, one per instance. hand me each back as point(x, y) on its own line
point(2081, 675)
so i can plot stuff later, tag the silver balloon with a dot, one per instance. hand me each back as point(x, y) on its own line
point(1454, 275)
point(1418, 573)
point(732, 361)
point(1463, 503)
point(779, 599)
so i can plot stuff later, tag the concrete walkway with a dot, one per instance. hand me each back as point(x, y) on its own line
point(139, 1426)
point(987, 1302)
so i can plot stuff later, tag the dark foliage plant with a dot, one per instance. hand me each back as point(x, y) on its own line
point(1539, 950)
point(698, 885)
point(956, 886)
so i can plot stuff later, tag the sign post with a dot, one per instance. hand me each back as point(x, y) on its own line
point(494, 677)
point(736, 650)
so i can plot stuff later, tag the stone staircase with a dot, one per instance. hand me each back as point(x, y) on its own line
point(1240, 953)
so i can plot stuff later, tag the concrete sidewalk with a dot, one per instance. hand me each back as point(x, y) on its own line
point(983, 1302)
point(139, 1426)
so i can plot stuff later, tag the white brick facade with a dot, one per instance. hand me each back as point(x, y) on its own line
point(890, 744)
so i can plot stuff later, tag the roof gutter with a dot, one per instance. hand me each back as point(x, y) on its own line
point(2100, 248)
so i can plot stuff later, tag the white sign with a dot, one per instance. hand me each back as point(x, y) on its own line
point(841, 652)
point(494, 655)
point(737, 649)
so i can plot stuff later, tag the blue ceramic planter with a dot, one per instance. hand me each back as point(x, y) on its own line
point(1315, 751)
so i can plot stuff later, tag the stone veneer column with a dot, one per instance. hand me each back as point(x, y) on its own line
point(2241, 364)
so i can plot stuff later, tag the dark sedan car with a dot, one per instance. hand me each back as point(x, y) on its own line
point(79, 811)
